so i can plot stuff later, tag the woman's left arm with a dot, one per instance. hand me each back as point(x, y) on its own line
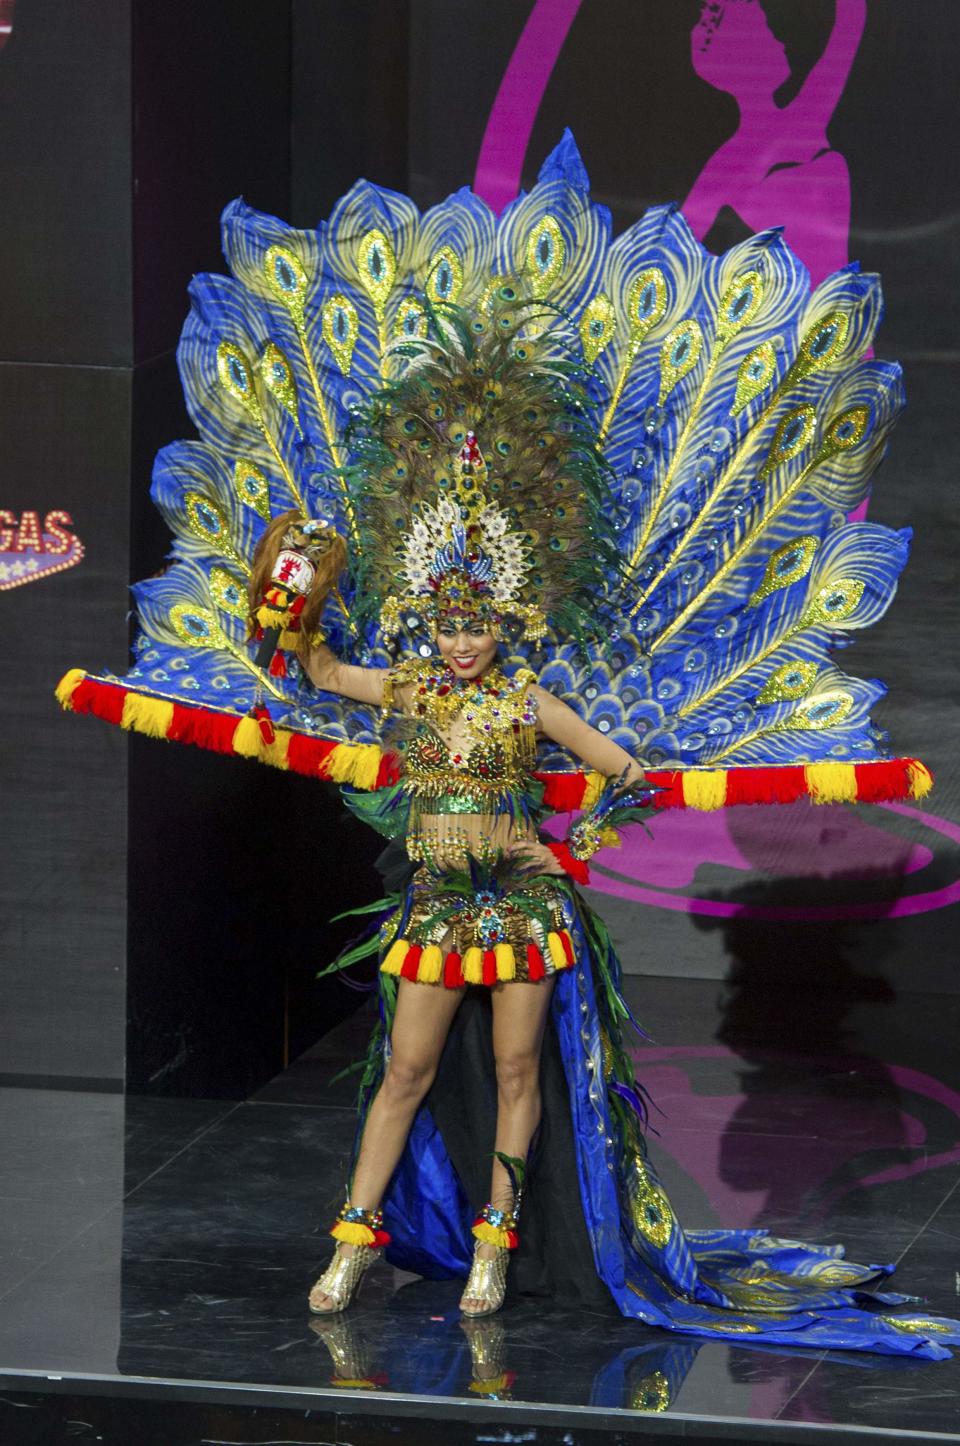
point(562, 725)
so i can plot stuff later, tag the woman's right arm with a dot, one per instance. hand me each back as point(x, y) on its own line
point(325, 671)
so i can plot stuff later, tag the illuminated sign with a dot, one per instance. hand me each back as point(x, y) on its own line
point(30, 550)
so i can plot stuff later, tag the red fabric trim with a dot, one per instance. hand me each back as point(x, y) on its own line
point(563, 792)
point(576, 868)
point(389, 771)
point(672, 785)
point(567, 943)
point(453, 971)
point(766, 785)
point(535, 967)
point(489, 967)
point(411, 963)
point(103, 700)
point(877, 782)
point(308, 755)
point(885, 780)
point(203, 728)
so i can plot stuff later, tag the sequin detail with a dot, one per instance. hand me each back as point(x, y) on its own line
point(341, 327)
point(545, 255)
point(679, 355)
point(597, 326)
point(649, 1207)
point(251, 487)
point(755, 372)
point(791, 681)
point(278, 378)
point(376, 269)
point(787, 565)
point(794, 432)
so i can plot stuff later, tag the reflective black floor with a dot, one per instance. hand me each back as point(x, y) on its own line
point(173, 1241)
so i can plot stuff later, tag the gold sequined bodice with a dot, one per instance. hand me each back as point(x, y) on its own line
point(473, 750)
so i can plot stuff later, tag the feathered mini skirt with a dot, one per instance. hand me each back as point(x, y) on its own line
point(453, 929)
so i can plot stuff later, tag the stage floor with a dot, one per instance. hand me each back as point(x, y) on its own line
point(157, 1253)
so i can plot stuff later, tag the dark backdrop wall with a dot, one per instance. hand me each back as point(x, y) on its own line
point(124, 129)
point(139, 925)
point(66, 262)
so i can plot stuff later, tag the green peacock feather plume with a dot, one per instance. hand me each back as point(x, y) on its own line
point(508, 373)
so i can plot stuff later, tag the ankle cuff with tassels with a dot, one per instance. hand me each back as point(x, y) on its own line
point(360, 1227)
point(496, 1227)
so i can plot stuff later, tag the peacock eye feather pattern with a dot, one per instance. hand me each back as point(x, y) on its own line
point(671, 445)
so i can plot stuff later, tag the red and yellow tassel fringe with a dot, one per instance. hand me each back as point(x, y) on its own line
point(885, 781)
point(494, 1235)
point(429, 965)
point(363, 765)
point(366, 766)
point(352, 1232)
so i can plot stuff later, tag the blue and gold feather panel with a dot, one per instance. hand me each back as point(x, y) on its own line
point(555, 238)
point(213, 509)
point(453, 260)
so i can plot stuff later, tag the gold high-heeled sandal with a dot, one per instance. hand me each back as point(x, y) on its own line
point(487, 1281)
point(341, 1279)
point(363, 1229)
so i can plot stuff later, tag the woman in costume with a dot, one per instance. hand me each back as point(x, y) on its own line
point(651, 514)
point(467, 777)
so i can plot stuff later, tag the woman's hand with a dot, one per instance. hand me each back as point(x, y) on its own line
point(537, 856)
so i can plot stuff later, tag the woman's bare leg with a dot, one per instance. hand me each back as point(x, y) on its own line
point(420, 1026)
point(519, 1019)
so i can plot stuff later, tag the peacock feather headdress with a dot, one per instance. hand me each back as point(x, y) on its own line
point(479, 481)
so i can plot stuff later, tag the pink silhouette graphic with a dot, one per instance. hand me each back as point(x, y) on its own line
point(517, 101)
point(779, 168)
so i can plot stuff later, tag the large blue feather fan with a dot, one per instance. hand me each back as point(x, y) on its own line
point(741, 420)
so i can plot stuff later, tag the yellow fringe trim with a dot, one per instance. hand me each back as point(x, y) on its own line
point(394, 957)
point(431, 965)
point(831, 782)
point(67, 686)
point(275, 753)
point(490, 1234)
point(557, 952)
point(351, 1232)
point(705, 789)
point(269, 617)
point(287, 641)
point(921, 779)
point(596, 782)
point(247, 740)
point(356, 763)
point(146, 715)
point(609, 838)
point(472, 965)
point(506, 961)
